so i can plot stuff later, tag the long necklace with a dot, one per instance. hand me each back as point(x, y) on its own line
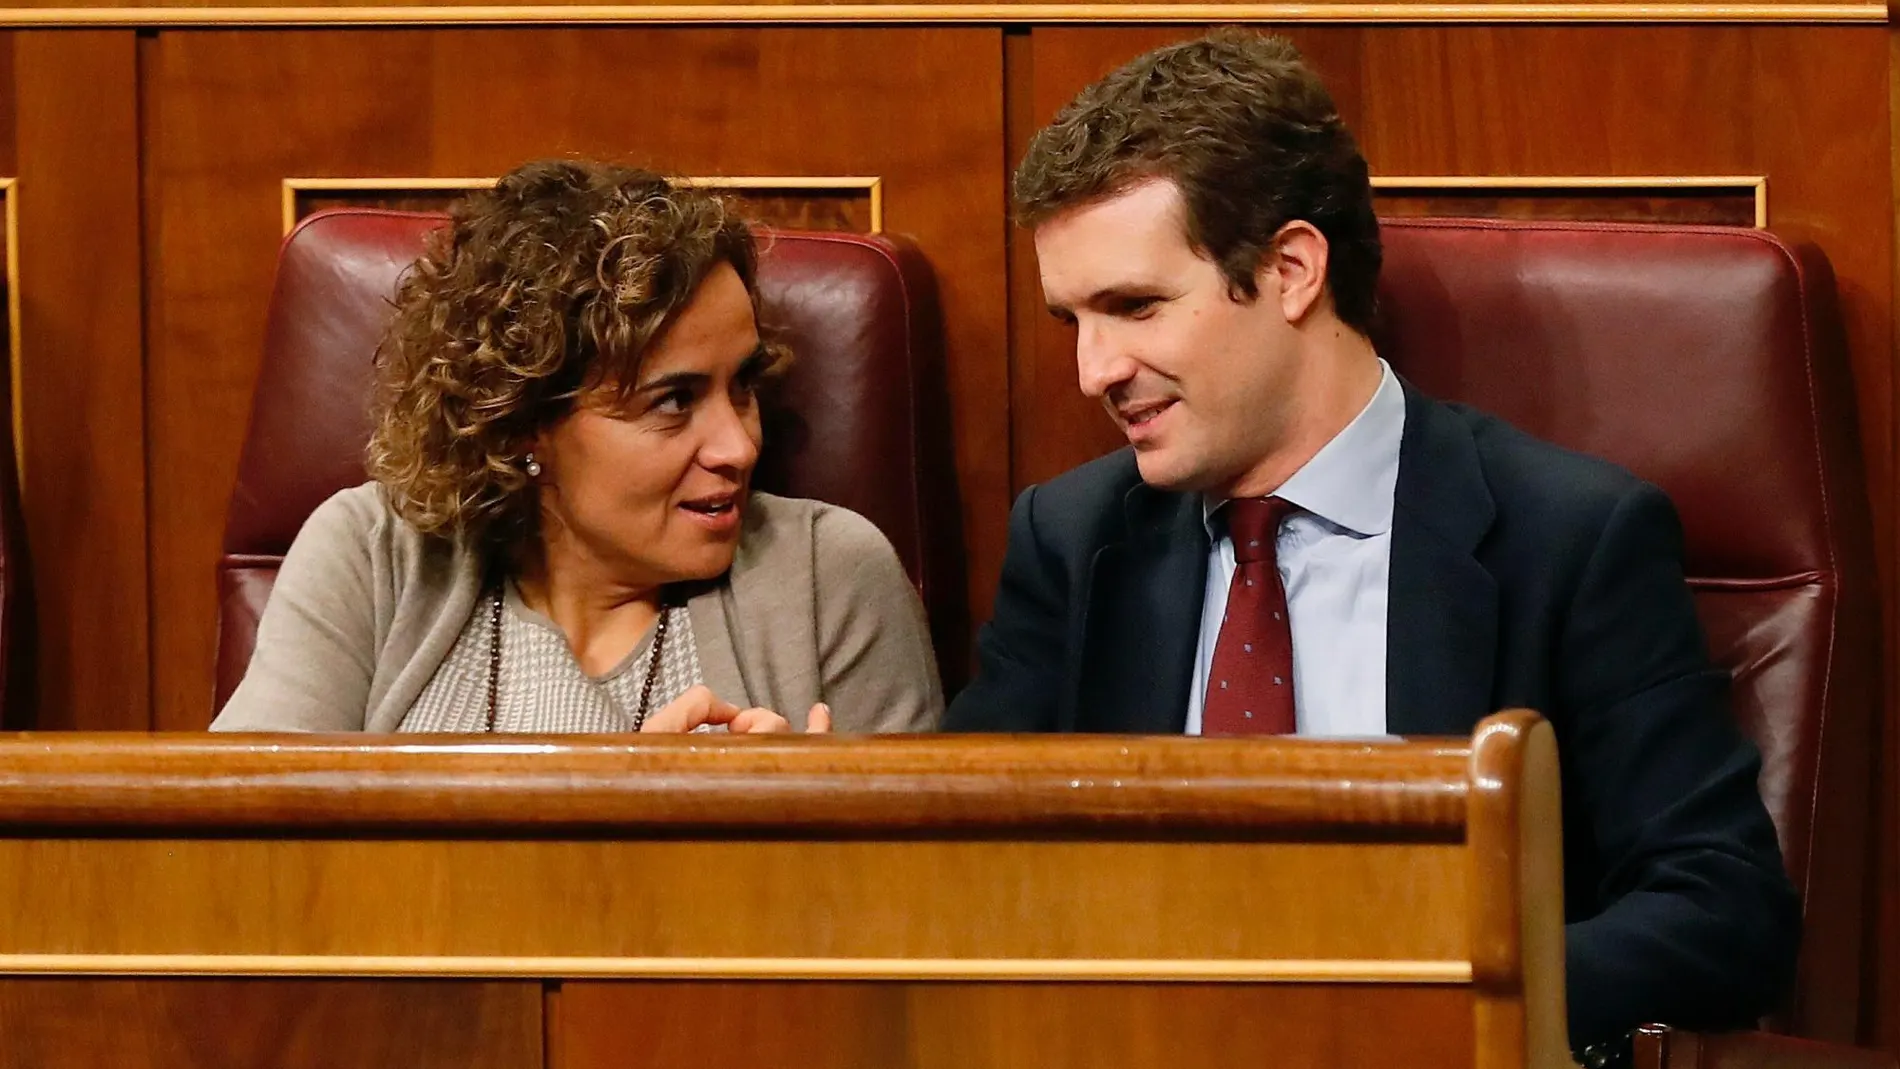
point(494, 662)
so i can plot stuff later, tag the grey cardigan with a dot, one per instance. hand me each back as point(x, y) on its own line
point(365, 609)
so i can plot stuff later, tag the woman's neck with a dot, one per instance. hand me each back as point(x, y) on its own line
point(603, 615)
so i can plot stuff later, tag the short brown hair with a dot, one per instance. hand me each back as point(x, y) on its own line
point(551, 285)
point(1243, 127)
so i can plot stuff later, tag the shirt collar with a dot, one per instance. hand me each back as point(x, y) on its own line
point(1350, 482)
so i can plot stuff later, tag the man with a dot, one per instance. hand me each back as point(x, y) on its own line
point(1296, 540)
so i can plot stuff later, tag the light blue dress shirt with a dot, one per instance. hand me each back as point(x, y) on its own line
point(1335, 558)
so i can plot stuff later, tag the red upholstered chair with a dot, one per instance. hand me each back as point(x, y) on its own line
point(1710, 362)
point(859, 420)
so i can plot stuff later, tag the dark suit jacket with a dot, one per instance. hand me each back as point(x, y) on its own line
point(1521, 575)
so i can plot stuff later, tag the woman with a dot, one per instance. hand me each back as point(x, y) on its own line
point(560, 533)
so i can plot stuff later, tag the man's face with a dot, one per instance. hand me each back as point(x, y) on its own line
point(1201, 381)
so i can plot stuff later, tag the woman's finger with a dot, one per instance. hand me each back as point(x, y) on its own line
point(758, 722)
point(696, 706)
point(818, 721)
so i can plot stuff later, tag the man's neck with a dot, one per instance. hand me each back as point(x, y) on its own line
point(1336, 384)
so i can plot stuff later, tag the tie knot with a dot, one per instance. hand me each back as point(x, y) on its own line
point(1254, 525)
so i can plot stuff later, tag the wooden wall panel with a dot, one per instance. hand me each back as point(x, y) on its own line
point(161, 13)
point(1880, 1007)
point(17, 711)
point(1009, 1026)
point(82, 373)
point(235, 113)
point(1688, 207)
point(766, 203)
point(9, 95)
point(287, 1024)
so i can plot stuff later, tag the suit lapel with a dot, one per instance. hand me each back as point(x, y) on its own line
point(1144, 618)
point(1442, 605)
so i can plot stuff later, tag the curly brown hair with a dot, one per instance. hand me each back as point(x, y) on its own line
point(537, 293)
point(1245, 129)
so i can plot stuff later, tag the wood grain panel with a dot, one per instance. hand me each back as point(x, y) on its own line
point(847, 210)
point(17, 703)
point(732, 899)
point(236, 113)
point(769, 785)
point(9, 92)
point(82, 374)
point(278, 1024)
point(694, 943)
point(1008, 1026)
point(1880, 1004)
point(1689, 208)
point(174, 13)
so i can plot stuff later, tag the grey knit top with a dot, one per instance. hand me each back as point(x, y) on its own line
point(540, 687)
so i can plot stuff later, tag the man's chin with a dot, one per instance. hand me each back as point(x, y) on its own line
point(1165, 470)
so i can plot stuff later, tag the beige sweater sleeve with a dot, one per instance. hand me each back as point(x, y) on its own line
point(316, 643)
point(877, 669)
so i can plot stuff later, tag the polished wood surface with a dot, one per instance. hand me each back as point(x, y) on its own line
point(283, 1024)
point(1685, 207)
point(1020, 1026)
point(795, 876)
point(1881, 990)
point(1413, 791)
point(760, 901)
point(176, 13)
point(847, 210)
point(82, 398)
point(1516, 853)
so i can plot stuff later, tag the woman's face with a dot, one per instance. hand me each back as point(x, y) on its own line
point(650, 487)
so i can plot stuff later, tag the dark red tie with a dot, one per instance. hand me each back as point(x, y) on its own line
point(1250, 686)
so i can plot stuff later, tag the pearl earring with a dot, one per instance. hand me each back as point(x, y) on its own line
point(533, 467)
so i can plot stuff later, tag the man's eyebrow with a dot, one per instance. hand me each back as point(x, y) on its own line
point(1104, 295)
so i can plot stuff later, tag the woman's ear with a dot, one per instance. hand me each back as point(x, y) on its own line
point(536, 458)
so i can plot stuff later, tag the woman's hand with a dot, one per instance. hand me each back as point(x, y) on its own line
point(698, 707)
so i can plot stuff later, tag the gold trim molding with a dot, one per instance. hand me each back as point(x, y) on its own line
point(1755, 186)
point(836, 14)
point(10, 193)
point(872, 186)
point(1355, 971)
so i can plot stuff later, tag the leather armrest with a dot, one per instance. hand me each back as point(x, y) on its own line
point(1662, 1047)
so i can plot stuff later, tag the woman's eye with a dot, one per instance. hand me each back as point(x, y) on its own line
point(673, 403)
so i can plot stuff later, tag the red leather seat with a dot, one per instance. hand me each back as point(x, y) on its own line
point(859, 420)
point(1709, 361)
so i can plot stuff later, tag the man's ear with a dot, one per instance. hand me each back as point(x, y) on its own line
point(1293, 270)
